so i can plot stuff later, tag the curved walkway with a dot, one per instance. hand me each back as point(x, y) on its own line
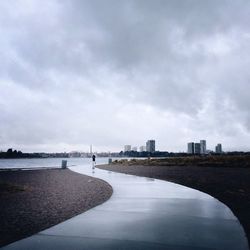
point(143, 214)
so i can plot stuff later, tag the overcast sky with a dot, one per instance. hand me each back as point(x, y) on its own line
point(110, 73)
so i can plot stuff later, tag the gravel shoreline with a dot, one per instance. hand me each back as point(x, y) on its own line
point(34, 200)
point(229, 185)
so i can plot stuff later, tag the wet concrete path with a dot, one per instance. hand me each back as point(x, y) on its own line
point(143, 214)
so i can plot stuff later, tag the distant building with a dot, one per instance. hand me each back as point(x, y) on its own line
point(142, 148)
point(203, 147)
point(218, 149)
point(74, 154)
point(209, 151)
point(150, 146)
point(197, 148)
point(190, 148)
point(127, 148)
point(134, 149)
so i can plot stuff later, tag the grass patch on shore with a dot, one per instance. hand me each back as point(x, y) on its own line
point(202, 161)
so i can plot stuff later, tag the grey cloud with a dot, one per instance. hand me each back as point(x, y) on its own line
point(92, 60)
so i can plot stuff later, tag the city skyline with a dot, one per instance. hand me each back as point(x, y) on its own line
point(193, 147)
point(189, 148)
point(75, 73)
point(201, 148)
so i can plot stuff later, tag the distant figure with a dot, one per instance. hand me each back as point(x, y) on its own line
point(93, 161)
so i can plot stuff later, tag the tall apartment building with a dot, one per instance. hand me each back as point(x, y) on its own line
point(150, 146)
point(218, 149)
point(134, 149)
point(203, 146)
point(127, 148)
point(190, 148)
point(197, 148)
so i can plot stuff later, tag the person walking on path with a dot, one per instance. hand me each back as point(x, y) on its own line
point(93, 161)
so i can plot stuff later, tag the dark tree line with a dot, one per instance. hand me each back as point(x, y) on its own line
point(12, 154)
point(146, 154)
point(150, 154)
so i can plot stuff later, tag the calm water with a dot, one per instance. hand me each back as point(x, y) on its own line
point(48, 162)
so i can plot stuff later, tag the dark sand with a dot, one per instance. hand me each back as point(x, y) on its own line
point(35, 200)
point(229, 185)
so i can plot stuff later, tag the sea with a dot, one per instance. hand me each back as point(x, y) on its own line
point(33, 163)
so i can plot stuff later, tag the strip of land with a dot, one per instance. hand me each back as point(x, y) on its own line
point(33, 200)
point(227, 183)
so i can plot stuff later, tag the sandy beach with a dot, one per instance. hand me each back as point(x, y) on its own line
point(38, 199)
point(230, 185)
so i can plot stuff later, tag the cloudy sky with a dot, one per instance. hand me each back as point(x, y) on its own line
point(113, 72)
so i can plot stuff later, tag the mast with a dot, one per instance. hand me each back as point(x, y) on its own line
point(91, 150)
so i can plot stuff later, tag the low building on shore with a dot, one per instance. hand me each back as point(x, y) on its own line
point(127, 148)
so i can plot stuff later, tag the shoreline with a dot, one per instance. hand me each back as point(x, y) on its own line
point(34, 200)
point(230, 186)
